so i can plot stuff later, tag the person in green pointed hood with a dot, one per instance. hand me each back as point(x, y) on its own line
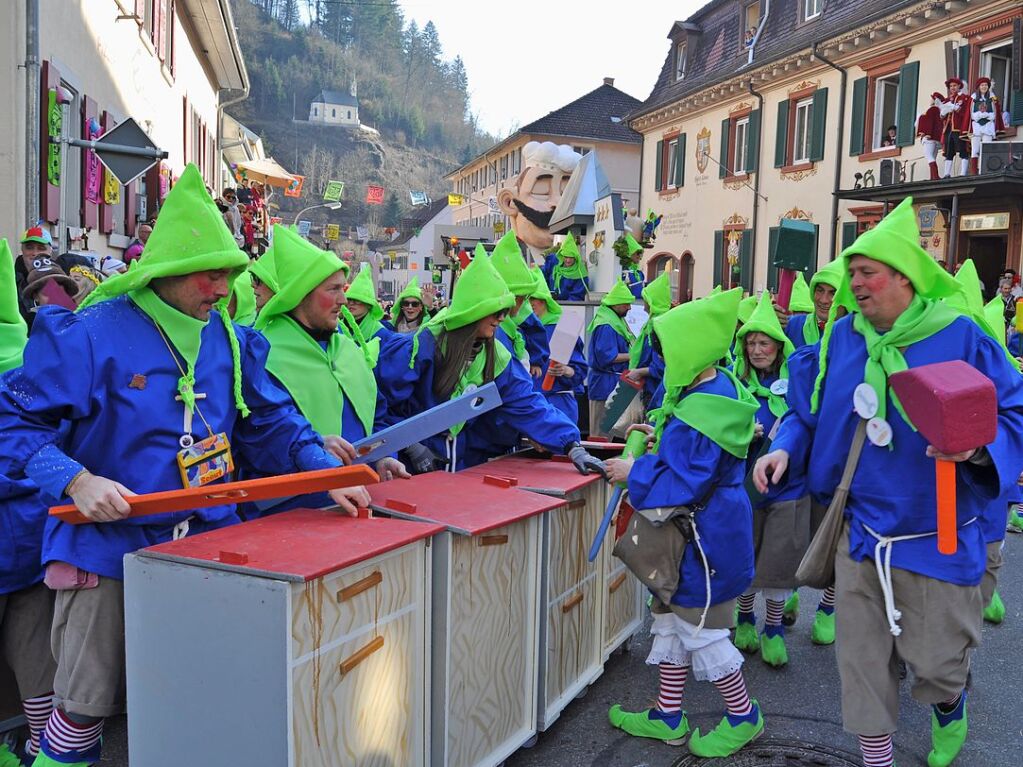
point(363, 304)
point(569, 277)
point(264, 275)
point(700, 441)
point(570, 380)
point(118, 398)
point(522, 332)
point(801, 302)
point(646, 364)
point(13, 330)
point(409, 312)
point(241, 301)
point(806, 329)
point(457, 351)
point(608, 352)
point(632, 274)
point(899, 322)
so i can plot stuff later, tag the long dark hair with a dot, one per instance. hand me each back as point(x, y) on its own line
point(456, 349)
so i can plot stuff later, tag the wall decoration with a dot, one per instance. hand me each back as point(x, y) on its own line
point(702, 149)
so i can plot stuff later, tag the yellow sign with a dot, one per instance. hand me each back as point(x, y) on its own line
point(499, 227)
point(981, 222)
point(111, 189)
point(333, 232)
point(456, 199)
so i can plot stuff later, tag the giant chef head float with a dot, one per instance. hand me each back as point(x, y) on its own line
point(530, 199)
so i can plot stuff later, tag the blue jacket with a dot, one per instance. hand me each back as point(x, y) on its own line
point(686, 467)
point(635, 281)
point(409, 390)
point(107, 373)
point(563, 394)
point(794, 329)
point(570, 289)
point(605, 344)
point(893, 490)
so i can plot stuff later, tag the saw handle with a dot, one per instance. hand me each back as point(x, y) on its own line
point(548, 379)
point(946, 493)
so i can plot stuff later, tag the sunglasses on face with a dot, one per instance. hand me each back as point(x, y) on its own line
point(410, 304)
point(502, 314)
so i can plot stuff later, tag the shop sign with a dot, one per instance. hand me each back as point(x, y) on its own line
point(984, 222)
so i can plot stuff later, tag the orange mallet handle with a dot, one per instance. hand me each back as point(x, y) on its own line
point(946, 492)
point(548, 380)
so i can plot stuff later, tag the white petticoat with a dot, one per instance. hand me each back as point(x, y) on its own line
point(710, 653)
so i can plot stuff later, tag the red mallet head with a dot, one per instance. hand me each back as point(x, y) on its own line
point(952, 404)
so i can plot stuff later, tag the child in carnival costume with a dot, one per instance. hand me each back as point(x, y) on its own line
point(571, 376)
point(569, 278)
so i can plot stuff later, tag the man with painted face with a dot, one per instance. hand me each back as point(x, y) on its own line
point(897, 596)
point(92, 419)
point(534, 194)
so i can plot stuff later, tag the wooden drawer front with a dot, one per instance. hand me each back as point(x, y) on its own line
point(341, 603)
point(492, 636)
point(571, 532)
point(573, 639)
point(622, 603)
point(361, 703)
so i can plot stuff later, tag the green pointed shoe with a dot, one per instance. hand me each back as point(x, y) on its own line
point(823, 632)
point(731, 734)
point(746, 638)
point(672, 729)
point(7, 759)
point(993, 613)
point(773, 651)
point(948, 734)
point(42, 760)
point(1015, 522)
point(791, 610)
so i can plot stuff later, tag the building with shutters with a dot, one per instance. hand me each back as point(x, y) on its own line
point(172, 65)
point(781, 109)
point(593, 122)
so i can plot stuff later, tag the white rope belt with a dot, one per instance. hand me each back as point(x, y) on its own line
point(451, 449)
point(883, 564)
point(706, 575)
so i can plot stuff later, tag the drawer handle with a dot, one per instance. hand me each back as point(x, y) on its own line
point(359, 656)
point(493, 540)
point(350, 592)
point(616, 583)
point(578, 503)
point(572, 602)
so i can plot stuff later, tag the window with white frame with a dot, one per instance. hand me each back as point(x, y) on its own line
point(996, 64)
point(740, 160)
point(672, 162)
point(886, 110)
point(680, 61)
point(812, 9)
point(802, 130)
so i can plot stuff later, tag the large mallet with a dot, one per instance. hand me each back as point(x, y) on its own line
point(955, 407)
point(793, 249)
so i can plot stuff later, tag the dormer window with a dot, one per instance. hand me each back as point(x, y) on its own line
point(680, 61)
point(812, 9)
point(750, 23)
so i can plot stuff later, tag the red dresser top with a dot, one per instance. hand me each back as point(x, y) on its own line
point(464, 503)
point(553, 476)
point(297, 545)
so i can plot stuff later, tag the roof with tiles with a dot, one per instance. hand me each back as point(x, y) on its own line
point(599, 115)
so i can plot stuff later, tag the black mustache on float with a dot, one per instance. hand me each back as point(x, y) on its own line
point(533, 216)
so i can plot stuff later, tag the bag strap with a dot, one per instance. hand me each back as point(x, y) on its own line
point(854, 455)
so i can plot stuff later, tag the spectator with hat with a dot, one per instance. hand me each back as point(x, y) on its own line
point(37, 246)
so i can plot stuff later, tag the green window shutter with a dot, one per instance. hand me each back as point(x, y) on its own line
point(820, 124)
point(746, 261)
point(772, 270)
point(859, 117)
point(725, 166)
point(753, 141)
point(781, 136)
point(657, 166)
point(848, 234)
point(1016, 109)
point(816, 252)
point(680, 160)
point(964, 64)
point(719, 255)
point(909, 78)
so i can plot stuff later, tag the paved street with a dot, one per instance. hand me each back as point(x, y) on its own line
point(800, 703)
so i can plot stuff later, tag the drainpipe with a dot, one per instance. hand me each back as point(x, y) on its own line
point(756, 180)
point(32, 124)
point(839, 149)
point(243, 94)
point(756, 35)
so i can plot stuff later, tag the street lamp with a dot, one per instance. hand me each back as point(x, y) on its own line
point(330, 205)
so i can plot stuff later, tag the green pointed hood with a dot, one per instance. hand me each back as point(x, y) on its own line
point(895, 241)
point(802, 299)
point(634, 247)
point(995, 317)
point(570, 249)
point(658, 295)
point(245, 300)
point(300, 267)
point(763, 320)
point(746, 306)
point(619, 294)
point(509, 263)
point(479, 292)
point(189, 236)
point(971, 300)
point(411, 291)
point(833, 274)
point(362, 290)
point(543, 292)
point(13, 330)
point(696, 334)
point(265, 266)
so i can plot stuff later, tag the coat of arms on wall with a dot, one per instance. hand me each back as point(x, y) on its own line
point(702, 149)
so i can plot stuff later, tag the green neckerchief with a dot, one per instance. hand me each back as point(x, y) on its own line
point(473, 375)
point(776, 402)
point(183, 332)
point(319, 380)
point(727, 422)
point(350, 327)
point(605, 316)
point(636, 349)
point(369, 326)
point(576, 272)
point(811, 330)
point(922, 319)
point(551, 318)
point(510, 325)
